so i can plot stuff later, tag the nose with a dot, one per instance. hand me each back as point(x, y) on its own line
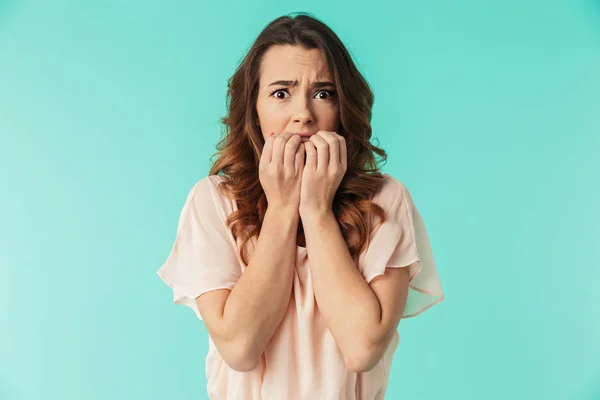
point(303, 113)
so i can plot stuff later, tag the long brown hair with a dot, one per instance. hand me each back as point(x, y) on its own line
point(240, 150)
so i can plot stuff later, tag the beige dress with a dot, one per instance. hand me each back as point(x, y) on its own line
point(302, 360)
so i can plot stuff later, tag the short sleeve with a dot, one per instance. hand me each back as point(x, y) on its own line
point(402, 241)
point(203, 257)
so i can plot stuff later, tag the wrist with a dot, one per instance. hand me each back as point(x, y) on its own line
point(315, 215)
point(285, 212)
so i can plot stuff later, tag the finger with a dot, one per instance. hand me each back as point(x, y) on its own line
point(334, 147)
point(343, 151)
point(322, 151)
point(311, 155)
point(279, 147)
point(291, 146)
point(267, 151)
point(299, 164)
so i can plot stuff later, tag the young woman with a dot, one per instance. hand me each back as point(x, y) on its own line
point(296, 252)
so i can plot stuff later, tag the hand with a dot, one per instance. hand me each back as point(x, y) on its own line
point(326, 164)
point(280, 170)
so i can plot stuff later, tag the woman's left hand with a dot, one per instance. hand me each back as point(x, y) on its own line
point(326, 163)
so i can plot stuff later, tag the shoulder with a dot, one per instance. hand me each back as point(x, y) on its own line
point(392, 191)
point(207, 186)
point(207, 183)
point(205, 195)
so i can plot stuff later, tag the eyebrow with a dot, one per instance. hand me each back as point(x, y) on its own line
point(319, 84)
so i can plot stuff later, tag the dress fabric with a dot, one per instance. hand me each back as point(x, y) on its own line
point(302, 360)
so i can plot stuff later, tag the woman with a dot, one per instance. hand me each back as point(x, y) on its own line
point(299, 256)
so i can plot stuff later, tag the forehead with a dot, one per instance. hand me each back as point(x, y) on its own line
point(289, 62)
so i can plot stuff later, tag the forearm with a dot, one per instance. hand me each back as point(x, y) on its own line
point(349, 306)
point(258, 301)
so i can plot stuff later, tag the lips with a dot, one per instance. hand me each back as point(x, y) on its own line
point(305, 134)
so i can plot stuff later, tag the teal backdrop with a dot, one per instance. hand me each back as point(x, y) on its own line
point(489, 111)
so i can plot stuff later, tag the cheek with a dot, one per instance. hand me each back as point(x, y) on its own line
point(272, 119)
point(328, 118)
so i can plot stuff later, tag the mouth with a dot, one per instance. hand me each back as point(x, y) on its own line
point(305, 135)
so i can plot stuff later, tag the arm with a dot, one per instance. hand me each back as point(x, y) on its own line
point(242, 321)
point(361, 317)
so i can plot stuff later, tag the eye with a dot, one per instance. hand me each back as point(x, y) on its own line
point(330, 94)
point(274, 94)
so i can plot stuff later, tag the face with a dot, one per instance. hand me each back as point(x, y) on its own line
point(296, 92)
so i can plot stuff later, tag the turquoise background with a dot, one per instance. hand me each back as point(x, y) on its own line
point(109, 112)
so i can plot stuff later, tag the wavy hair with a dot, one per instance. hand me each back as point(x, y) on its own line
point(240, 149)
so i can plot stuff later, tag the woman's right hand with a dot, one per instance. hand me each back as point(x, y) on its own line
point(280, 170)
